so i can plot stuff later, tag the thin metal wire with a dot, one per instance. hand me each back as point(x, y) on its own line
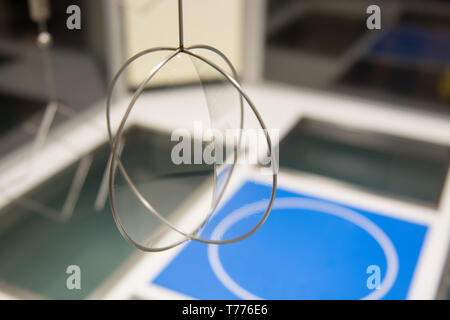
point(180, 24)
point(115, 161)
point(119, 163)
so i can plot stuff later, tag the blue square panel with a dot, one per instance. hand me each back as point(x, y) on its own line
point(309, 248)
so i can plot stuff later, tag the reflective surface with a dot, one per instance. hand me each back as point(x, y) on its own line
point(389, 165)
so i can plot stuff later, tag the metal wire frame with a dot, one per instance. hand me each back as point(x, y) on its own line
point(114, 141)
point(120, 165)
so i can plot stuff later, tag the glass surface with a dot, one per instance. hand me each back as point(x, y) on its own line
point(36, 250)
point(385, 164)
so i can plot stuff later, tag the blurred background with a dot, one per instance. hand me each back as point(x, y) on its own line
point(322, 46)
point(406, 62)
